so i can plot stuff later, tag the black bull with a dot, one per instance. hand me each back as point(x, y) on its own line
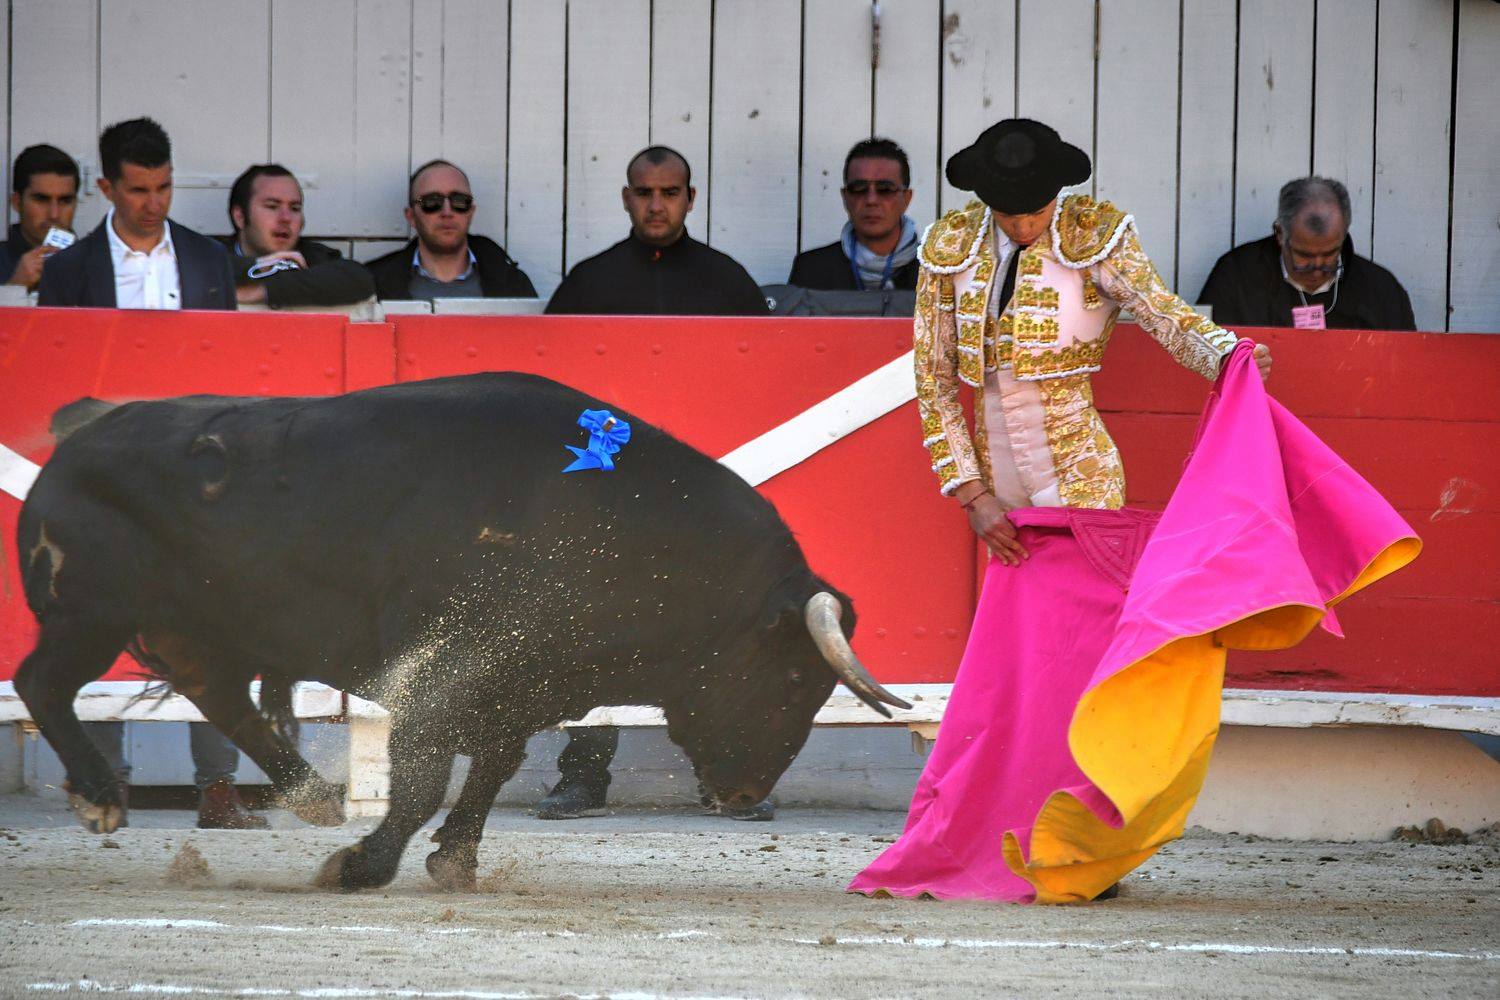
point(419, 545)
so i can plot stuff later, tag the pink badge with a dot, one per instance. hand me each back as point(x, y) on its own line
point(1309, 318)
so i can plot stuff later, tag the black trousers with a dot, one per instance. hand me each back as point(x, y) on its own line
point(587, 756)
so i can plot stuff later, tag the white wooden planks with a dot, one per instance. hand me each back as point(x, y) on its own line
point(312, 127)
point(609, 90)
point(537, 121)
point(1343, 107)
point(1055, 53)
point(1411, 153)
point(1273, 143)
point(680, 51)
point(978, 77)
point(837, 111)
point(1205, 186)
point(211, 98)
point(1474, 279)
point(1135, 158)
point(906, 93)
point(752, 206)
point(54, 89)
point(476, 105)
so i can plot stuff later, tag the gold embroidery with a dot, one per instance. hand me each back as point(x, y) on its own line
point(972, 301)
point(1085, 228)
point(1089, 471)
point(1029, 296)
point(1091, 299)
point(1035, 330)
point(950, 240)
point(1031, 264)
point(945, 430)
point(1036, 364)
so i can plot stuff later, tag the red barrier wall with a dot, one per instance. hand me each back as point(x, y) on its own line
point(1415, 413)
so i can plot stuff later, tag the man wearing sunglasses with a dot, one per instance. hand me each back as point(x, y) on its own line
point(446, 260)
point(1306, 273)
point(878, 249)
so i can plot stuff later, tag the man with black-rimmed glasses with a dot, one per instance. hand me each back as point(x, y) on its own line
point(878, 248)
point(446, 260)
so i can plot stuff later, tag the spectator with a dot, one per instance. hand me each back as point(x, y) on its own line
point(1306, 273)
point(138, 258)
point(659, 269)
point(879, 246)
point(45, 180)
point(272, 262)
point(446, 260)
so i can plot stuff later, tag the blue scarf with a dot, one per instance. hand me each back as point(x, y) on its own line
point(873, 270)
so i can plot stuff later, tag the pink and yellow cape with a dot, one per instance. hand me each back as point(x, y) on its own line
point(1086, 706)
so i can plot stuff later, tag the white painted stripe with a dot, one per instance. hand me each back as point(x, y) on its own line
point(331, 992)
point(1133, 945)
point(17, 473)
point(1128, 944)
point(809, 432)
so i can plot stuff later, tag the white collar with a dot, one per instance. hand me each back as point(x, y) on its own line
point(118, 248)
point(1285, 276)
point(416, 263)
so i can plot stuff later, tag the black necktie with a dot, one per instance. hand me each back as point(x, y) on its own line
point(1009, 287)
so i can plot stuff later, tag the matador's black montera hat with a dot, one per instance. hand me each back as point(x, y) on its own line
point(1018, 165)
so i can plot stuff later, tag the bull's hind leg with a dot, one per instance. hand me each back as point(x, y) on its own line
point(454, 864)
point(421, 755)
point(70, 653)
point(311, 798)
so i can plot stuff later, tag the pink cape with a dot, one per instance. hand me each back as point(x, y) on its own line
point(1087, 703)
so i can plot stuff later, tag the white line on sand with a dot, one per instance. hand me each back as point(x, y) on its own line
point(1131, 945)
point(328, 992)
point(1128, 944)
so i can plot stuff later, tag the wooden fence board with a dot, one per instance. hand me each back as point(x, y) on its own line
point(535, 198)
point(1205, 186)
point(1273, 142)
point(979, 77)
point(1344, 92)
point(906, 93)
point(836, 112)
point(1474, 255)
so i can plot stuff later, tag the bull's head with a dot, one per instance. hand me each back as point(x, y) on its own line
point(742, 731)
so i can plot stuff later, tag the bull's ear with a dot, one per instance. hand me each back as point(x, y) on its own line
point(786, 617)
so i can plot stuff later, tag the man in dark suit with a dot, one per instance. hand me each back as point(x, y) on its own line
point(137, 258)
point(878, 248)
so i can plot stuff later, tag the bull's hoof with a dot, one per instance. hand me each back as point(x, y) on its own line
point(320, 812)
point(96, 818)
point(349, 869)
point(454, 869)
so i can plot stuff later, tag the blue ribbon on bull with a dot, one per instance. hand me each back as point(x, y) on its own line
point(607, 435)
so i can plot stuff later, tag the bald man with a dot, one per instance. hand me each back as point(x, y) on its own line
point(659, 269)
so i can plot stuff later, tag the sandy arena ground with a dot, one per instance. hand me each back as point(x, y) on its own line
point(674, 904)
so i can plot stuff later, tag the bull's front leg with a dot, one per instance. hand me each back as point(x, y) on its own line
point(304, 791)
point(421, 753)
point(454, 864)
point(70, 653)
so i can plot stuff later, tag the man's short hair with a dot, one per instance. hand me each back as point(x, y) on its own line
point(41, 159)
point(877, 148)
point(1297, 195)
point(244, 186)
point(140, 141)
point(411, 182)
point(656, 156)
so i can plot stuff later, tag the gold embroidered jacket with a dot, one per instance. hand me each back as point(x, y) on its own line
point(1038, 440)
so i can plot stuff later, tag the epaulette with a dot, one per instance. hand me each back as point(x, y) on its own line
point(1085, 231)
point(951, 244)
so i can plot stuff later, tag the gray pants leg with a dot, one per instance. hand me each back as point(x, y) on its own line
point(214, 757)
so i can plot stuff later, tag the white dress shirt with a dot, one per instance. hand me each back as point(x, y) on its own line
point(144, 280)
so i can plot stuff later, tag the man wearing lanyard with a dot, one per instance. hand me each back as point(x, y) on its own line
point(878, 248)
point(1306, 273)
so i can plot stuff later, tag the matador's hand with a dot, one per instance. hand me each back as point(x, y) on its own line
point(1262, 356)
point(987, 518)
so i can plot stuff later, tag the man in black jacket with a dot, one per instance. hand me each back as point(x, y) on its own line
point(45, 180)
point(272, 262)
point(137, 258)
point(878, 248)
point(445, 260)
point(659, 269)
point(1306, 273)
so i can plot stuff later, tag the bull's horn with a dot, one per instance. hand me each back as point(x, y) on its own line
point(822, 615)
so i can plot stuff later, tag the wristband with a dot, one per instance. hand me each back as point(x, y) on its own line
point(970, 505)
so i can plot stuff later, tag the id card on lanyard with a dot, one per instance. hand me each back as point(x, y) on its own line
point(1311, 317)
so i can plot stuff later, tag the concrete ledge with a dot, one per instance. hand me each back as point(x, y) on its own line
point(120, 701)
